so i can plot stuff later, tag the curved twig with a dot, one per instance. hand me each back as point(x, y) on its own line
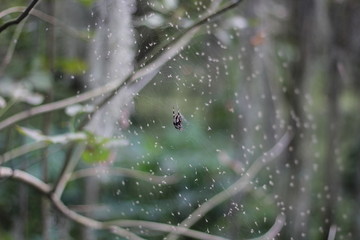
point(236, 187)
point(162, 227)
point(68, 168)
point(165, 55)
point(19, 18)
point(26, 178)
point(274, 230)
point(11, 48)
point(23, 149)
point(91, 172)
point(46, 18)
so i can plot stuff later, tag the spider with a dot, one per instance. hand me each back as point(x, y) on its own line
point(177, 120)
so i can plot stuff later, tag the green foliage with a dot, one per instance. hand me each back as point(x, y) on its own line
point(71, 66)
point(97, 147)
point(87, 3)
point(96, 150)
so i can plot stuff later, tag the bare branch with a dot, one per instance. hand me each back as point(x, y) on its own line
point(274, 230)
point(166, 228)
point(123, 232)
point(55, 105)
point(332, 232)
point(26, 178)
point(165, 55)
point(23, 149)
point(11, 48)
point(90, 172)
point(68, 168)
point(238, 186)
point(20, 18)
point(89, 222)
point(47, 18)
point(113, 226)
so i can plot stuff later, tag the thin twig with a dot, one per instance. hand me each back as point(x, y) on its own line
point(123, 232)
point(23, 149)
point(89, 222)
point(91, 172)
point(19, 18)
point(236, 187)
point(69, 166)
point(113, 226)
point(166, 54)
point(274, 230)
point(11, 48)
point(332, 232)
point(26, 178)
point(162, 227)
point(47, 18)
point(207, 19)
point(49, 107)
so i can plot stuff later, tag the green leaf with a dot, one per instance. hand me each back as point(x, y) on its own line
point(96, 151)
point(95, 154)
point(98, 148)
point(72, 66)
point(87, 3)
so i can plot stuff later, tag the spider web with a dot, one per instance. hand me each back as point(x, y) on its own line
point(229, 84)
point(196, 154)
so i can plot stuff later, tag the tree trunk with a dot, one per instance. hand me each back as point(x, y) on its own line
point(111, 59)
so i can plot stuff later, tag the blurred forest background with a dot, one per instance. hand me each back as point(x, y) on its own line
point(269, 94)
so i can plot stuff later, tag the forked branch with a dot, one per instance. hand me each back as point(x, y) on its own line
point(46, 190)
point(113, 226)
